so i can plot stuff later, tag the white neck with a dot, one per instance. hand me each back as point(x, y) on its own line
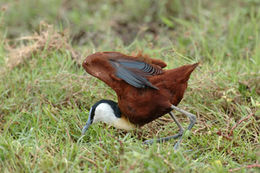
point(105, 113)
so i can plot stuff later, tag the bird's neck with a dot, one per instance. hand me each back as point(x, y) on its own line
point(123, 123)
point(110, 113)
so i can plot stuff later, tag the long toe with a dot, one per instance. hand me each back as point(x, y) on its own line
point(177, 145)
point(148, 142)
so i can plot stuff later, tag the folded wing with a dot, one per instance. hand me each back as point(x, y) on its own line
point(134, 72)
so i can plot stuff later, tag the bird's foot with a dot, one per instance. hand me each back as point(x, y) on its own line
point(148, 142)
point(160, 140)
point(184, 135)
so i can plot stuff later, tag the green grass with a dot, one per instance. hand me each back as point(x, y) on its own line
point(44, 102)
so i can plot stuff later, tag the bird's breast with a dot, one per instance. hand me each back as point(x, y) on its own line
point(143, 108)
point(124, 123)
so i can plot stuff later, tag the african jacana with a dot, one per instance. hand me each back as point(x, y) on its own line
point(145, 91)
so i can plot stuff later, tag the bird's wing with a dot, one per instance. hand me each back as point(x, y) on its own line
point(135, 72)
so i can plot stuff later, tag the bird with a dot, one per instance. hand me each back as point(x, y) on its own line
point(145, 91)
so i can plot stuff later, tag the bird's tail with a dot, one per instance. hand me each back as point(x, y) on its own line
point(187, 70)
point(182, 74)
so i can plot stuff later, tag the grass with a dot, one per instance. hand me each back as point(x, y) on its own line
point(44, 101)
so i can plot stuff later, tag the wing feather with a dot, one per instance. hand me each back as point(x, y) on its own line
point(135, 72)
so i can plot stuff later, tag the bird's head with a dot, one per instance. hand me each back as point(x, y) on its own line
point(107, 111)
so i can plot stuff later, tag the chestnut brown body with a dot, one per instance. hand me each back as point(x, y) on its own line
point(141, 105)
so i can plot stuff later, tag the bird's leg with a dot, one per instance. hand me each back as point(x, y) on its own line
point(168, 137)
point(180, 134)
point(178, 123)
point(192, 122)
point(189, 115)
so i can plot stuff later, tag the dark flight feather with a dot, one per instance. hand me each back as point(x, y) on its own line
point(135, 72)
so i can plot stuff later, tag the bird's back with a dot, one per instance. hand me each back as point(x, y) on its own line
point(140, 105)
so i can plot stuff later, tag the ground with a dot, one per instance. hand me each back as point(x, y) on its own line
point(45, 94)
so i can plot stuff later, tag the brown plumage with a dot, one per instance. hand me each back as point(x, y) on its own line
point(145, 91)
point(143, 104)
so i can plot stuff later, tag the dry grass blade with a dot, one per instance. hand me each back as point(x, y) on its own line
point(47, 39)
point(239, 122)
point(89, 160)
point(166, 162)
point(248, 166)
point(230, 134)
